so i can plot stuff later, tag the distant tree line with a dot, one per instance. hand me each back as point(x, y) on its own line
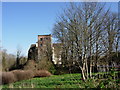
point(10, 61)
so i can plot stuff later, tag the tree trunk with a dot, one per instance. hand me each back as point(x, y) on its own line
point(83, 74)
point(90, 69)
point(87, 69)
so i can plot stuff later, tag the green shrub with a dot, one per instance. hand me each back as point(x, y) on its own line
point(46, 65)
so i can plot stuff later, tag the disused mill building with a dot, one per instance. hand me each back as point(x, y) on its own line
point(43, 47)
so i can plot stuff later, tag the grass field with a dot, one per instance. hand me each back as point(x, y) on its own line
point(62, 81)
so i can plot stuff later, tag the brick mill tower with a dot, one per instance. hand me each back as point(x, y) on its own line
point(44, 45)
point(42, 48)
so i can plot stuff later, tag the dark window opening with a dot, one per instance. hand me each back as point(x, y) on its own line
point(41, 39)
point(41, 45)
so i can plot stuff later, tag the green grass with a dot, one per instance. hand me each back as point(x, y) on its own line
point(59, 81)
point(55, 81)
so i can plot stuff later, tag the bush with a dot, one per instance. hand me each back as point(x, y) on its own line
point(46, 65)
point(8, 77)
point(23, 74)
point(18, 75)
point(30, 65)
point(52, 69)
point(61, 70)
point(42, 73)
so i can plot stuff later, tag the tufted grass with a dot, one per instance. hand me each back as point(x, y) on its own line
point(63, 81)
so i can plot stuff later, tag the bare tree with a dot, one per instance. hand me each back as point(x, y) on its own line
point(18, 57)
point(111, 36)
point(81, 30)
point(4, 60)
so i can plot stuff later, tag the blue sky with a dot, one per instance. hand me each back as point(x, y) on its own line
point(23, 21)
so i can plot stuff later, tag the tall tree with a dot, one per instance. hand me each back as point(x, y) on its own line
point(80, 29)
